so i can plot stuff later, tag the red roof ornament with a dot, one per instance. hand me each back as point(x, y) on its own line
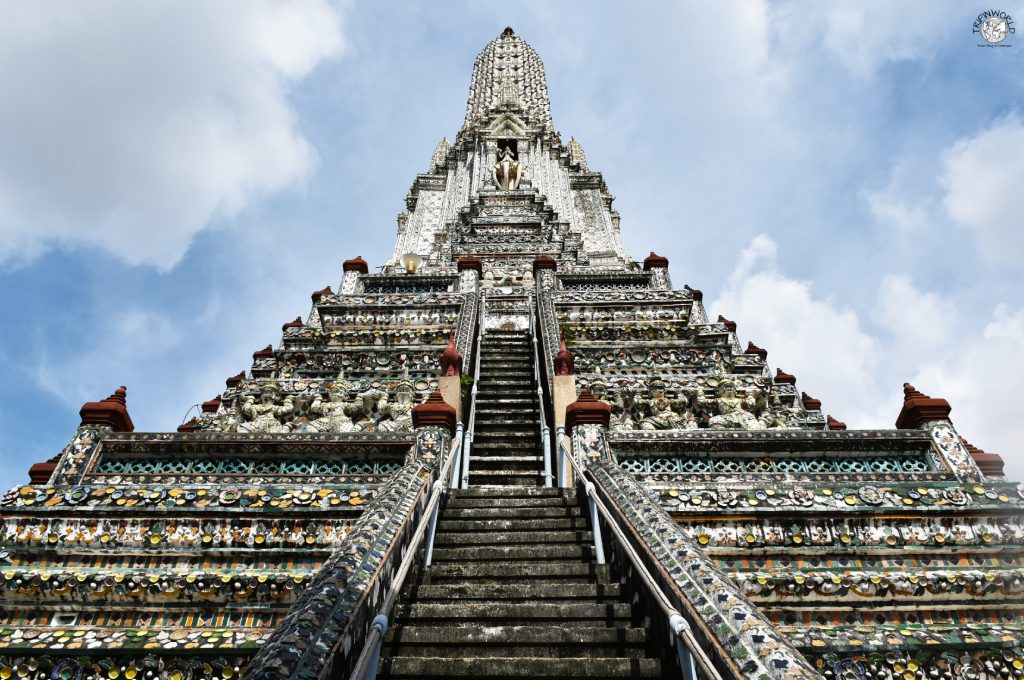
point(654, 260)
point(40, 473)
point(265, 353)
point(235, 380)
point(188, 427)
point(587, 410)
point(990, 464)
point(754, 349)
point(810, 403)
point(357, 264)
point(565, 362)
point(834, 424)
point(695, 293)
point(544, 262)
point(316, 295)
point(783, 378)
point(471, 263)
point(112, 412)
point(729, 325)
point(434, 412)
point(212, 405)
point(293, 324)
point(919, 408)
point(451, 360)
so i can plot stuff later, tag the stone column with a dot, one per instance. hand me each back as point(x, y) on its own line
point(658, 266)
point(563, 393)
point(450, 382)
point(434, 423)
point(470, 270)
point(98, 418)
point(697, 314)
point(922, 412)
point(587, 420)
point(314, 315)
point(351, 270)
point(544, 269)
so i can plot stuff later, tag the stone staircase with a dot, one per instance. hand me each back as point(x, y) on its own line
point(507, 447)
point(514, 589)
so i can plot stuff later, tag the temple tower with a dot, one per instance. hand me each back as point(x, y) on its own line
point(514, 451)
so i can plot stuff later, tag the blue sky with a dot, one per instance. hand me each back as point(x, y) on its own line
point(841, 179)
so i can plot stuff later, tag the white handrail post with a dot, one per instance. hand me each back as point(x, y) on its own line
point(465, 462)
point(677, 624)
point(545, 431)
point(453, 481)
point(560, 440)
point(594, 522)
point(380, 624)
point(428, 554)
point(546, 437)
point(471, 427)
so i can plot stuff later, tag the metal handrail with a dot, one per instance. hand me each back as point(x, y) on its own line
point(471, 428)
point(369, 658)
point(688, 648)
point(545, 431)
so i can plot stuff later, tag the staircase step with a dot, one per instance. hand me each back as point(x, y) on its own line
point(536, 591)
point(513, 513)
point(515, 442)
point(515, 635)
point(498, 423)
point(474, 612)
point(504, 400)
point(525, 411)
point(497, 443)
point(522, 463)
point(506, 458)
point(507, 478)
point(520, 667)
point(539, 641)
point(516, 573)
point(514, 552)
point(498, 492)
point(536, 502)
point(516, 538)
point(487, 410)
point(516, 524)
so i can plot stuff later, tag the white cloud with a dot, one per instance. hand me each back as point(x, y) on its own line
point(980, 376)
point(857, 373)
point(132, 126)
point(917, 321)
point(141, 337)
point(824, 345)
point(864, 34)
point(888, 208)
point(983, 176)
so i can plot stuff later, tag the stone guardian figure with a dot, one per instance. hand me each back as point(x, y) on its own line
point(506, 171)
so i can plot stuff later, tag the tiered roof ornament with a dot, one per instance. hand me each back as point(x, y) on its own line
point(508, 72)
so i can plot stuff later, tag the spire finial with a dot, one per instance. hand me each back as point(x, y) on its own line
point(508, 71)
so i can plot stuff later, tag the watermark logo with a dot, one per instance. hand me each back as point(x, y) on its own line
point(994, 26)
